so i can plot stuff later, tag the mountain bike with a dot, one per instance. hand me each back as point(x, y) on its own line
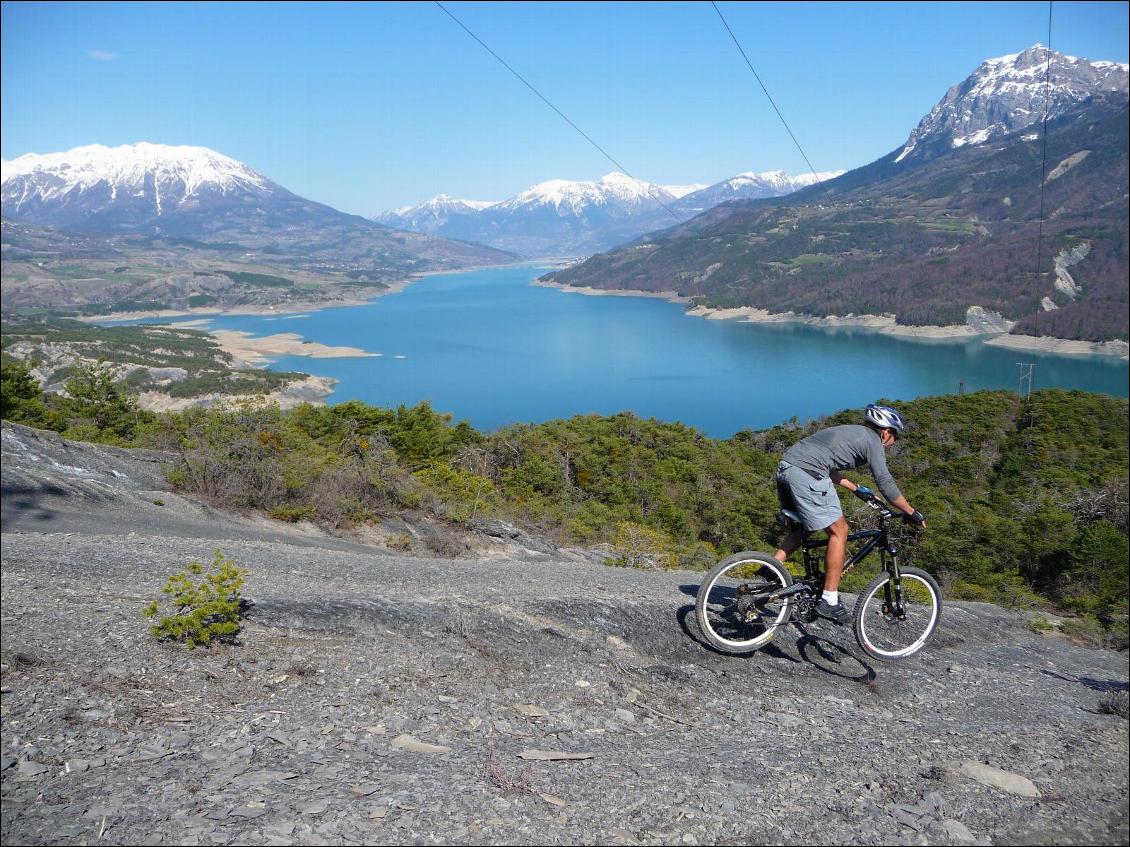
point(747, 598)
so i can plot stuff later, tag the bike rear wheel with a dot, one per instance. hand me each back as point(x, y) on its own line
point(889, 634)
point(735, 608)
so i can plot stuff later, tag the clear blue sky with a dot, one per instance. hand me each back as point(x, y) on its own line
point(369, 106)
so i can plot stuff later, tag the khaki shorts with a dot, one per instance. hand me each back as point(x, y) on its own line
point(815, 500)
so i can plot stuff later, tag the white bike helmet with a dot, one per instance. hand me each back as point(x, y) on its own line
point(885, 417)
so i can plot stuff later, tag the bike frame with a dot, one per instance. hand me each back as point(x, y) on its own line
point(875, 539)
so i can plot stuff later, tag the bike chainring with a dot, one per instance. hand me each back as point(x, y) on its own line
point(806, 607)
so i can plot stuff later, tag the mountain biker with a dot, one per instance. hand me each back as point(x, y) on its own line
point(806, 479)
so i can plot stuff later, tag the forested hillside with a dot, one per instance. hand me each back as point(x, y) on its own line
point(923, 243)
point(1026, 501)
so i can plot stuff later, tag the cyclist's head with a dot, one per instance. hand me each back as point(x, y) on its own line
point(884, 417)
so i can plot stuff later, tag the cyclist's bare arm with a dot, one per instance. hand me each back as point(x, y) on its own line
point(900, 502)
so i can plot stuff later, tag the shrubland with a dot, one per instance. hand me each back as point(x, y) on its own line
point(1026, 500)
point(177, 361)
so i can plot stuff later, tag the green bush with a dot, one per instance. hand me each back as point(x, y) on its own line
point(199, 606)
point(638, 546)
point(99, 400)
point(1085, 630)
point(21, 399)
point(399, 541)
point(292, 514)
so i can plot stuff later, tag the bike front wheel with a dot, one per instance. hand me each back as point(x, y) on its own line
point(736, 606)
point(888, 629)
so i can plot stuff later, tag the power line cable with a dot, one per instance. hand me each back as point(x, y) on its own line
point(1043, 166)
point(563, 116)
point(763, 88)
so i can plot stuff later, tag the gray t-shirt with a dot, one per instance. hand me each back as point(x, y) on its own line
point(841, 448)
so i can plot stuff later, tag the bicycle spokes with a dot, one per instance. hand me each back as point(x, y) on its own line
point(738, 606)
point(894, 621)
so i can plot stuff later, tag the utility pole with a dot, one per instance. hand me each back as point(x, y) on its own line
point(1026, 369)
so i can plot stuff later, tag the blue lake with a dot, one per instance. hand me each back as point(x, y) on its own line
point(490, 348)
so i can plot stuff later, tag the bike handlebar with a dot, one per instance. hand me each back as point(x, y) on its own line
point(885, 511)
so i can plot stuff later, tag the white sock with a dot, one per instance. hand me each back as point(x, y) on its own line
point(832, 598)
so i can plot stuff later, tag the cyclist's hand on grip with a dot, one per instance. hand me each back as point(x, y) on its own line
point(915, 517)
point(864, 493)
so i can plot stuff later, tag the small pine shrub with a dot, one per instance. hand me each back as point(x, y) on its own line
point(1115, 703)
point(399, 541)
point(199, 605)
point(639, 546)
point(292, 514)
point(1084, 630)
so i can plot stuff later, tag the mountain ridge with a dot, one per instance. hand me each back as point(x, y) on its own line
point(196, 193)
point(1009, 93)
point(921, 237)
point(572, 217)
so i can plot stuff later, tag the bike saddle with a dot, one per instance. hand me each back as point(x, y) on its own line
point(789, 518)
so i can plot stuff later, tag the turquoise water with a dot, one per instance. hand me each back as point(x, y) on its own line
point(489, 348)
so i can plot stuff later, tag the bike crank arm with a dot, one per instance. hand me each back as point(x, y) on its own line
point(795, 588)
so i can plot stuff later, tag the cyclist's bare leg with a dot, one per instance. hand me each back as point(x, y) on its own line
point(789, 545)
point(837, 551)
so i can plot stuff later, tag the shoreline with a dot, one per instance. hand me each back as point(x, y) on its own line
point(879, 324)
point(670, 296)
point(1062, 346)
point(252, 351)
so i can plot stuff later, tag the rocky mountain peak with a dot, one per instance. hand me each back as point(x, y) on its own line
point(1008, 93)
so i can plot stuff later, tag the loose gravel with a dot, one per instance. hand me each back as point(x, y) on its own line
point(520, 697)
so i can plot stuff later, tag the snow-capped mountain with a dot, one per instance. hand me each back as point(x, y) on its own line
point(194, 192)
point(1007, 94)
point(434, 214)
point(570, 217)
point(617, 192)
point(680, 191)
point(118, 185)
point(749, 186)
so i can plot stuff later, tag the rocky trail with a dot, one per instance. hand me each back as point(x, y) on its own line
point(515, 697)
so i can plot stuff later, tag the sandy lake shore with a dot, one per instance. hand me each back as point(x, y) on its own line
point(671, 296)
point(882, 324)
point(1062, 346)
point(253, 352)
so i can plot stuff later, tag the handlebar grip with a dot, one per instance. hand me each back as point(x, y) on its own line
point(864, 493)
